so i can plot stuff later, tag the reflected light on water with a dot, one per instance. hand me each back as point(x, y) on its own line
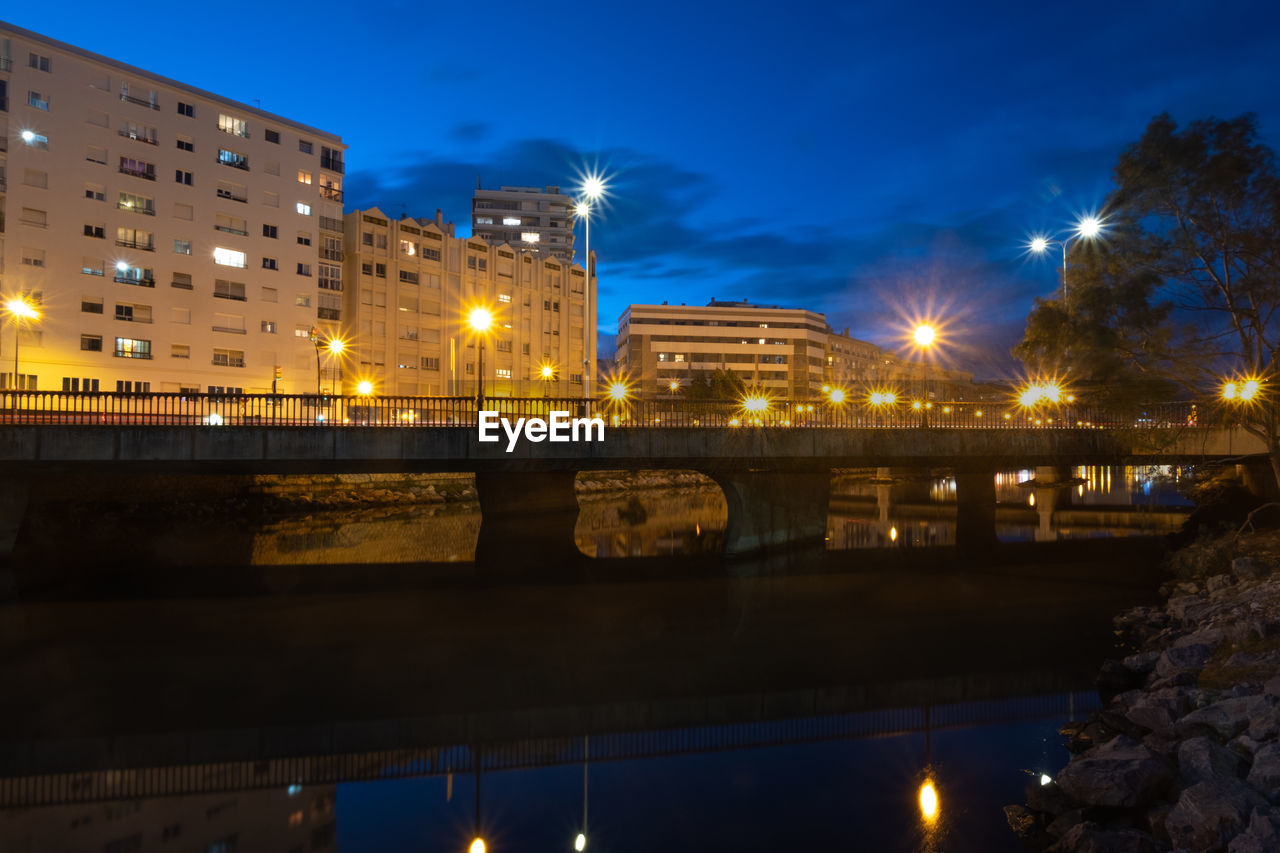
point(580, 843)
point(1044, 779)
point(893, 534)
point(928, 802)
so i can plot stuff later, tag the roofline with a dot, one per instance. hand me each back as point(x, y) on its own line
point(724, 308)
point(7, 27)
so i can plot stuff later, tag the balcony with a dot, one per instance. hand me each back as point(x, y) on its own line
point(6, 64)
point(333, 164)
point(137, 173)
point(242, 164)
point(230, 330)
point(330, 223)
point(227, 194)
point(325, 254)
point(124, 353)
point(140, 102)
point(331, 193)
point(329, 313)
point(235, 297)
point(136, 244)
point(139, 282)
point(145, 211)
point(229, 230)
point(137, 138)
point(228, 362)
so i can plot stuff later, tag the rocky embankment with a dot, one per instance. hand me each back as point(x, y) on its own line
point(1185, 755)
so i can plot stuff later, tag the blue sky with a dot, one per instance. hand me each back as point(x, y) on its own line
point(867, 160)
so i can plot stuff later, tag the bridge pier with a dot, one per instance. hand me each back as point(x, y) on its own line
point(771, 509)
point(975, 512)
point(527, 522)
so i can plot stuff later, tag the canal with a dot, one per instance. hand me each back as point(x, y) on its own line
point(320, 672)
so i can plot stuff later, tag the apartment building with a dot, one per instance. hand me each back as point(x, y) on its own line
point(412, 285)
point(539, 221)
point(171, 239)
point(779, 350)
point(850, 362)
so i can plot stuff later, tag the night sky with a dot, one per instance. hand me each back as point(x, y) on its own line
point(868, 162)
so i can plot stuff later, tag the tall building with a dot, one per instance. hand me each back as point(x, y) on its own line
point(779, 350)
point(170, 238)
point(527, 218)
point(410, 288)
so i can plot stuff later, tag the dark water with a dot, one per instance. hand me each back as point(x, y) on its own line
point(735, 707)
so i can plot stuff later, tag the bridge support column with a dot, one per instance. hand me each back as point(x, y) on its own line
point(773, 509)
point(527, 521)
point(975, 512)
point(13, 509)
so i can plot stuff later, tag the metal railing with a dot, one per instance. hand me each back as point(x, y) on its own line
point(142, 102)
point(336, 409)
point(330, 193)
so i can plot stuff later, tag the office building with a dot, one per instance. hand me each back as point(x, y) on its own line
point(170, 239)
point(412, 286)
point(779, 350)
point(526, 218)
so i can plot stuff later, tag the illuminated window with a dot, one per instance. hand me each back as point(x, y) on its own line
point(229, 257)
point(233, 159)
point(35, 140)
point(503, 373)
point(504, 297)
point(304, 177)
point(304, 209)
point(511, 220)
point(531, 236)
point(233, 125)
point(484, 220)
point(408, 247)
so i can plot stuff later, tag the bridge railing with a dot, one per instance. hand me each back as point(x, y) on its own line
point(64, 407)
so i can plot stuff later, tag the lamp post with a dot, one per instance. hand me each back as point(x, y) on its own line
point(1088, 227)
point(480, 320)
point(592, 189)
point(335, 346)
point(547, 372)
point(19, 309)
point(923, 336)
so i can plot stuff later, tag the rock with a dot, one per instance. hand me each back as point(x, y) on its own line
point(1188, 608)
point(1218, 583)
point(1209, 814)
point(1244, 746)
point(1265, 724)
point(1226, 718)
point(1265, 773)
point(1063, 823)
point(1142, 662)
point(1089, 838)
point(1183, 659)
point(1262, 836)
point(1047, 799)
point(1248, 569)
point(1272, 687)
point(1151, 716)
point(1114, 677)
point(1117, 774)
point(1202, 758)
point(1122, 724)
point(1021, 820)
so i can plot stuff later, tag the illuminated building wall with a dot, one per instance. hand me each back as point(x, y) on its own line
point(411, 286)
point(172, 239)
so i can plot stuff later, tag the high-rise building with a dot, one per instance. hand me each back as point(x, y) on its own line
point(410, 288)
point(171, 239)
point(526, 218)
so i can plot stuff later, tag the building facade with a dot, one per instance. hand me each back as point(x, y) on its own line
point(411, 287)
point(170, 239)
point(530, 219)
point(781, 351)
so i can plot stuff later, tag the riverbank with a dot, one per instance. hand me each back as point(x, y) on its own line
point(1185, 754)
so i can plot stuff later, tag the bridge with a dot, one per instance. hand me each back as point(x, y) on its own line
point(772, 459)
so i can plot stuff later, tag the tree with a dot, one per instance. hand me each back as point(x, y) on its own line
point(718, 385)
point(1184, 288)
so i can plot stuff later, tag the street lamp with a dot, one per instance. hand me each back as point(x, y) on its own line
point(924, 336)
point(548, 372)
point(1087, 228)
point(593, 189)
point(480, 320)
point(335, 346)
point(19, 309)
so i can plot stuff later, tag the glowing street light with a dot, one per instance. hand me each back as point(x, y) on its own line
point(1242, 390)
point(1087, 228)
point(617, 391)
point(928, 801)
point(480, 320)
point(580, 843)
point(593, 189)
point(837, 396)
point(924, 335)
point(674, 386)
point(364, 387)
point(477, 846)
point(19, 309)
